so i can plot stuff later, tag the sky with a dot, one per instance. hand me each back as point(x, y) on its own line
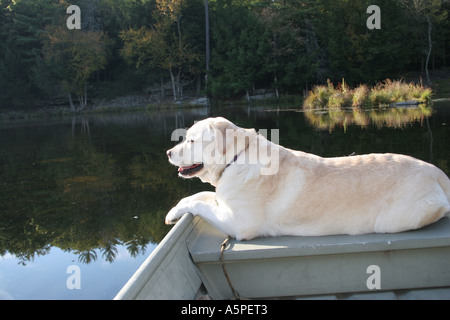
point(46, 277)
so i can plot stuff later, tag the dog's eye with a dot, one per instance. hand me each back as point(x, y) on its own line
point(191, 141)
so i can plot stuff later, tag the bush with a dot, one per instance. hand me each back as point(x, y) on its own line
point(361, 96)
point(384, 93)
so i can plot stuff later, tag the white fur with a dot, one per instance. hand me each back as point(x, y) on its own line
point(308, 195)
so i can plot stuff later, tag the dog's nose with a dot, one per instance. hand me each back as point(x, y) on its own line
point(168, 153)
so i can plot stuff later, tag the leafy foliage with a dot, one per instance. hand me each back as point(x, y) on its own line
point(283, 45)
point(74, 57)
point(239, 51)
point(161, 47)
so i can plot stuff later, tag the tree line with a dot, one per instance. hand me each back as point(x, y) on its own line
point(128, 46)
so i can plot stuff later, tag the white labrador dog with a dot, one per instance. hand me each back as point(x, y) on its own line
point(286, 192)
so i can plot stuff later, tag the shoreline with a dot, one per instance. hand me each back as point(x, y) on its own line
point(116, 105)
point(141, 102)
point(58, 112)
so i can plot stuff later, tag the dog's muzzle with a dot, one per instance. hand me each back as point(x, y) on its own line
point(187, 170)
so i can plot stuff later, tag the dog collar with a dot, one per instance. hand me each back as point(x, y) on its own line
point(234, 160)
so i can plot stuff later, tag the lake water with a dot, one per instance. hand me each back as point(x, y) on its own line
point(83, 199)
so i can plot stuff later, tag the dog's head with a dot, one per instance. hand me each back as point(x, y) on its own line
point(209, 147)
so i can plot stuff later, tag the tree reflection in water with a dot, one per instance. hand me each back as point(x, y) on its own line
point(87, 256)
point(87, 185)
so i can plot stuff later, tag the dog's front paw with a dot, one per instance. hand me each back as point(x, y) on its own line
point(174, 215)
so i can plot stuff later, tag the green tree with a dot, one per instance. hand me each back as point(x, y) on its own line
point(74, 57)
point(295, 51)
point(429, 12)
point(163, 46)
point(119, 15)
point(240, 51)
point(356, 53)
point(22, 24)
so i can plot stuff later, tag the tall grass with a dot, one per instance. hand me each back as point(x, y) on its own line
point(384, 93)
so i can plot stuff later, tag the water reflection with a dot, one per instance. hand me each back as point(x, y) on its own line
point(87, 185)
point(390, 118)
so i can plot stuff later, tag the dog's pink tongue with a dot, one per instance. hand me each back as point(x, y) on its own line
point(186, 168)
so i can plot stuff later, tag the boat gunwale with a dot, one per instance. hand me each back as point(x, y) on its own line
point(150, 266)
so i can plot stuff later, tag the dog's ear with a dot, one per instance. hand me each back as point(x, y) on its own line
point(231, 140)
point(220, 126)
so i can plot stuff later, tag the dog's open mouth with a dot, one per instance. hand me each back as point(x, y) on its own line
point(190, 170)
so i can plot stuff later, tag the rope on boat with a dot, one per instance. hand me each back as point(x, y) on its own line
point(222, 249)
